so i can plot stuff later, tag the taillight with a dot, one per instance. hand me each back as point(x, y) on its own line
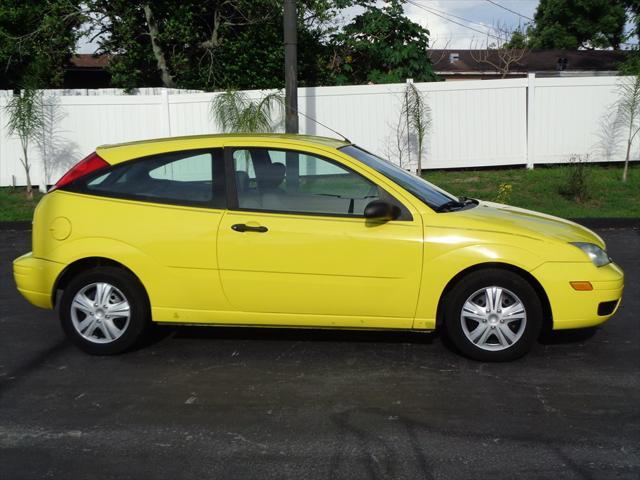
point(84, 167)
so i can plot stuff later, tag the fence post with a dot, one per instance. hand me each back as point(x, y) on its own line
point(164, 97)
point(531, 95)
point(3, 141)
point(406, 106)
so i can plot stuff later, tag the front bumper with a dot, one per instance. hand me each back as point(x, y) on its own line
point(35, 278)
point(579, 309)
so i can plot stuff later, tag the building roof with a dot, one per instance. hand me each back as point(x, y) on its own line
point(533, 61)
point(445, 61)
point(88, 61)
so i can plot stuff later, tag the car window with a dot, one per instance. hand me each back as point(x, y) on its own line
point(296, 182)
point(191, 169)
point(180, 178)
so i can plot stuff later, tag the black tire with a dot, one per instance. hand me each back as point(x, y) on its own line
point(470, 285)
point(134, 293)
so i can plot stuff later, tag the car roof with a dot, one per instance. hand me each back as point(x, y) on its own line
point(116, 153)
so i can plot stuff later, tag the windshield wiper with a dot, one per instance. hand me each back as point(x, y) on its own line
point(469, 201)
point(450, 206)
point(453, 205)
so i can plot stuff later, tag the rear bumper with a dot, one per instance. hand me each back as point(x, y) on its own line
point(580, 309)
point(35, 278)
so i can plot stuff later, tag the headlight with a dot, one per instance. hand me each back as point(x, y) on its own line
point(597, 255)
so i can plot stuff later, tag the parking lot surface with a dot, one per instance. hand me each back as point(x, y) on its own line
point(222, 403)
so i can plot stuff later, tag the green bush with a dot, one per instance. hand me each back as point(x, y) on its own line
point(576, 186)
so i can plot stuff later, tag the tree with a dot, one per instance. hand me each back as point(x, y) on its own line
point(235, 112)
point(629, 115)
point(631, 66)
point(36, 39)
point(573, 24)
point(25, 120)
point(633, 10)
point(410, 131)
point(381, 45)
point(209, 44)
point(418, 115)
point(501, 50)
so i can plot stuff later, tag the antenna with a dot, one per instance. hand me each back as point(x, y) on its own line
point(323, 125)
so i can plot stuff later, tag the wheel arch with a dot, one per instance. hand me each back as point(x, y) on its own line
point(83, 264)
point(533, 281)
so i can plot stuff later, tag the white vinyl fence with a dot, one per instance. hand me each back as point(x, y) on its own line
point(525, 121)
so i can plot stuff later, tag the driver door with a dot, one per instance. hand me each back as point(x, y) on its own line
point(295, 248)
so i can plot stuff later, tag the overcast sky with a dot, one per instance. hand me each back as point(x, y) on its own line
point(452, 23)
point(460, 22)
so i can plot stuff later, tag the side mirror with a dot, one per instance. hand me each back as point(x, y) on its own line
point(381, 210)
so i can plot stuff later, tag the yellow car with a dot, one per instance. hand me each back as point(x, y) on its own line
point(300, 231)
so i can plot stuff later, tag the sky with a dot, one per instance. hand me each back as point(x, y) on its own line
point(471, 16)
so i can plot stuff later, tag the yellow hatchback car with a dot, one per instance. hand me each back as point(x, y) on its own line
point(300, 231)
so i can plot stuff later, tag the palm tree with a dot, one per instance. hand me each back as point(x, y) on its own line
point(25, 120)
point(418, 115)
point(235, 112)
point(629, 115)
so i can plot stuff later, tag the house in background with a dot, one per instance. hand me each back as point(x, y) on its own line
point(479, 64)
point(89, 71)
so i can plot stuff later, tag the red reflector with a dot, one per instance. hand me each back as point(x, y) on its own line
point(84, 167)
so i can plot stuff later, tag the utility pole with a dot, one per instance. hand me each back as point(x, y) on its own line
point(291, 66)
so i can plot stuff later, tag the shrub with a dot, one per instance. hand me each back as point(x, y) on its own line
point(576, 186)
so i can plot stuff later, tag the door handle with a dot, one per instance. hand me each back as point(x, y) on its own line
point(241, 227)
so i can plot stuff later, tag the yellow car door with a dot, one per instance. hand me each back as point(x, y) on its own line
point(295, 248)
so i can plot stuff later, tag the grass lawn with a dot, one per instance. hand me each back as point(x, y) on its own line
point(536, 189)
point(14, 204)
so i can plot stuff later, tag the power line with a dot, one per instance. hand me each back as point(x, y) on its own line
point(452, 21)
point(483, 25)
point(509, 10)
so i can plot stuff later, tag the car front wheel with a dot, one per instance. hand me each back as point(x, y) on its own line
point(493, 315)
point(104, 310)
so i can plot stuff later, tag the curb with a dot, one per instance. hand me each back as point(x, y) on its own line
point(604, 223)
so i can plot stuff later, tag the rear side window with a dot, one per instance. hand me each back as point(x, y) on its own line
point(193, 178)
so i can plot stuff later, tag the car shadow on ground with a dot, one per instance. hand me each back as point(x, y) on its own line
point(567, 336)
point(160, 333)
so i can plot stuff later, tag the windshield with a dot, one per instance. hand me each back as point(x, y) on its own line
point(433, 196)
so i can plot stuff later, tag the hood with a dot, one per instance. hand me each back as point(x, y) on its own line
point(500, 218)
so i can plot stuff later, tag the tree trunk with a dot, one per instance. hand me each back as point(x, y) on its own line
point(167, 78)
point(406, 107)
point(27, 167)
point(625, 170)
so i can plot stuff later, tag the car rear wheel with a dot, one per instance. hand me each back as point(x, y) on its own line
point(104, 310)
point(493, 315)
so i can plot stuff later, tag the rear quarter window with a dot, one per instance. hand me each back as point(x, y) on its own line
point(193, 178)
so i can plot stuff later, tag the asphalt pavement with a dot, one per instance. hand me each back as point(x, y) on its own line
point(233, 403)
